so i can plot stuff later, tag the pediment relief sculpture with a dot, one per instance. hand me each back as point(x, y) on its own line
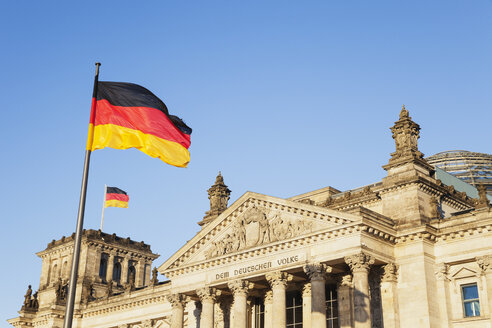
point(258, 227)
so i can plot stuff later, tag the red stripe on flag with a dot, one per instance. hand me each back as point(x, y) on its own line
point(145, 119)
point(121, 197)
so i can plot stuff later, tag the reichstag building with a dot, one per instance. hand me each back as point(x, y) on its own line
point(412, 251)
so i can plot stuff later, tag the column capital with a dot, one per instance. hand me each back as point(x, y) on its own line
point(268, 297)
point(317, 271)
point(345, 280)
point(442, 271)
point(485, 263)
point(306, 290)
point(208, 294)
point(359, 262)
point(177, 300)
point(390, 273)
point(239, 287)
point(278, 278)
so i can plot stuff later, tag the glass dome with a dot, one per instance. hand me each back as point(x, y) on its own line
point(473, 168)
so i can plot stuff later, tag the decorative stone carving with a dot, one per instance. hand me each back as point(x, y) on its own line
point(109, 290)
point(154, 281)
point(442, 271)
point(219, 195)
point(268, 298)
point(482, 201)
point(359, 262)
point(485, 263)
point(435, 208)
point(406, 133)
point(239, 287)
point(208, 293)
point(30, 300)
point(130, 286)
point(317, 271)
point(147, 323)
point(389, 273)
point(306, 290)
point(255, 228)
point(27, 296)
point(177, 300)
point(278, 278)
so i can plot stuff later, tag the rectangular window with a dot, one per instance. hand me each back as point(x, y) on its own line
point(294, 309)
point(331, 306)
point(471, 303)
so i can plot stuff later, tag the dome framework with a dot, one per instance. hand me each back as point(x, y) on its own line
point(473, 168)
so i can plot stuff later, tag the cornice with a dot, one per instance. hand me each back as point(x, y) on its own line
point(122, 302)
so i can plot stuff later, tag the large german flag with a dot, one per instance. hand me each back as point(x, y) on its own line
point(127, 115)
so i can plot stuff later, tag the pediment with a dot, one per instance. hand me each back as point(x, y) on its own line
point(464, 272)
point(252, 222)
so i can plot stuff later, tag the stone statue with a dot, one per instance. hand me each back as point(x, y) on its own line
point(27, 296)
point(109, 285)
point(154, 281)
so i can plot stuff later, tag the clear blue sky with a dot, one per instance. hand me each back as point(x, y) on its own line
point(283, 97)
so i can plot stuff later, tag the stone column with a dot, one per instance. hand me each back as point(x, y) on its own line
point(306, 305)
point(389, 297)
point(109, 272)
point(268, 301)
point(344, 293)
point(317, 274)
point(240, 289)
point(359, 264)
point(125, 264)
point(177, 313)
point(278, 281)
point(207, 297)
point(485, 264)
point(139, 275)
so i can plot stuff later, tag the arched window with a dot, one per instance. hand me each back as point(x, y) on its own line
point(117, 272)
point(131, 271)
point(103, 266)
point(54, 272)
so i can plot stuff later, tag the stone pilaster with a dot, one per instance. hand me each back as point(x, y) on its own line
point(278, 282)
point(359, 265)
point(345, 309)
point(317, 275)
point(177, 313)
point(268, 301)
point(443, 294)
point(485, 264)
point(389, 296)
point(240, 289)
point(306, 305)
point(207, 297)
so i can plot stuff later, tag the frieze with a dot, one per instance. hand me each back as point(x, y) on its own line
point(257, 227)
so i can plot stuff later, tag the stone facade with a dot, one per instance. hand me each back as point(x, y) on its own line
point(407, 251)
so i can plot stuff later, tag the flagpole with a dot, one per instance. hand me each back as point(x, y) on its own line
point(80, 218)
point(104, 206)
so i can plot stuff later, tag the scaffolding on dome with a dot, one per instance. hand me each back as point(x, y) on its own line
point(473, 168)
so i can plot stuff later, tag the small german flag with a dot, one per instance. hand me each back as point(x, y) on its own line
point(115, 197)
point(127, 115)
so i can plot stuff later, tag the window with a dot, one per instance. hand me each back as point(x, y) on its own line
point(331, 307)
point(471, 304)
point(103, 266)
point(294, 310)
point(259, 313)
point(117, 271)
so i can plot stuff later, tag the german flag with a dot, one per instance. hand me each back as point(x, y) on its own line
point(127, 115)
point(115, 197)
